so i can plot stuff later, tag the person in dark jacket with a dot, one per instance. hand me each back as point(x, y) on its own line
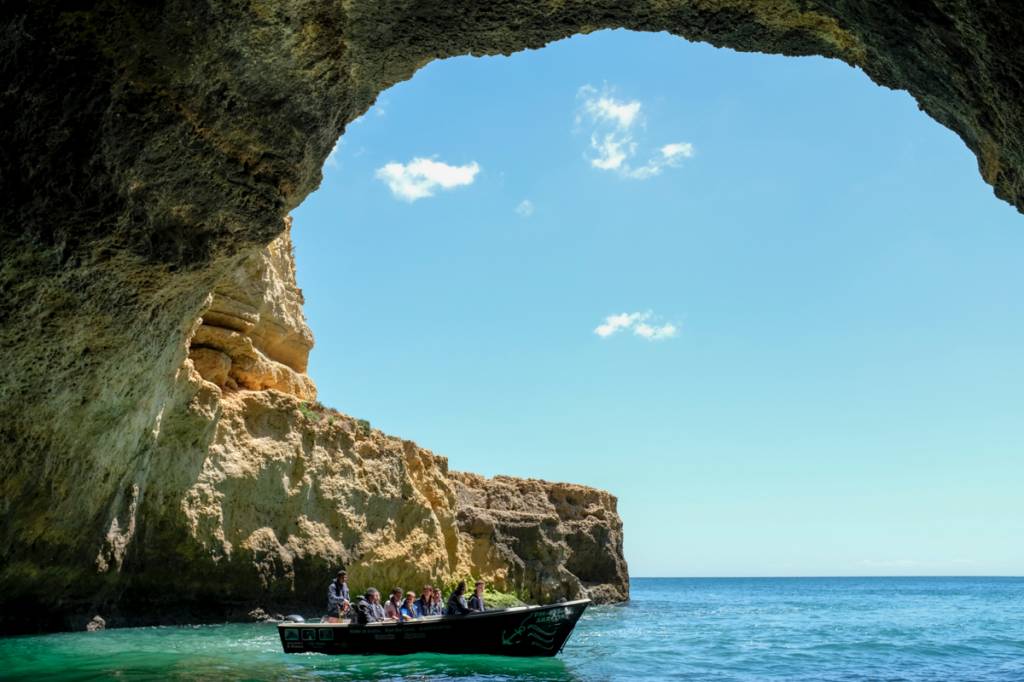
point(368, 608)
point(476, 602)
point(457, 601)
point(424, 601)
point(337, 593)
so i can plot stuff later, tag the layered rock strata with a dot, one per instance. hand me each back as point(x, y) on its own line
point(149, 150)
point(253, 334)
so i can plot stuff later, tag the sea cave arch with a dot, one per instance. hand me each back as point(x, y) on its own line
point(155, 150)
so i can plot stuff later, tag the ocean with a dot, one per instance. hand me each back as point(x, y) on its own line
point(716, 630)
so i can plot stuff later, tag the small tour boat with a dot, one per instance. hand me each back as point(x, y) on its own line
point(516, 631)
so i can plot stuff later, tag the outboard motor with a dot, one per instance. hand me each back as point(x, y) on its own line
point(294, 618)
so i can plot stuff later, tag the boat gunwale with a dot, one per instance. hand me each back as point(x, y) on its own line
point(425, 620)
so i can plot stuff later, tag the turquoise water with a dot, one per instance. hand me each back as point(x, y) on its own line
point(906, 629)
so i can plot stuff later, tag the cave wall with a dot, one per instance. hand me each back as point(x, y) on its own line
point(152, 148)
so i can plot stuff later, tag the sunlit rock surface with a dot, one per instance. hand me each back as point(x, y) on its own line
point(253, 334)
point(550, 538)
point(150, 153)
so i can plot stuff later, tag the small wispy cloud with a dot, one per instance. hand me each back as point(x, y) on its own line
point(421, 177)
point(613, 145)
point(677, 150)
point(603, 107)
point(655, 332)
point(525, 208)
point(640, 325)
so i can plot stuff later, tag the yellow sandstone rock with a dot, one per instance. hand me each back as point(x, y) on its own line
point(283, 490)
point(253, 334)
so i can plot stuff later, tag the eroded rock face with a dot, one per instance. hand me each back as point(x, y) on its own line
point(253, 334)
point(151, 151)
point(251, 494)
point(549, 539)
point(286, 494)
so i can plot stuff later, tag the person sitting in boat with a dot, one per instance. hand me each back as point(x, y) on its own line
point(337, 592)
point(436, 605)
point(424, 600)
point(344, 613)
point(476, 602)
point(368, 608)
point(409, 610)
point(392, 609)
point(457, 601)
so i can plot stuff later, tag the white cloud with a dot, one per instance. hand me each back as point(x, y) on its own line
point(648, 170)
point(612, 141)
point(525, 208)
point(611, 151)
point(605, 107)
point(677, 149)
point(614, 323)
point(655, 333)
point(671, 155)
point(638, 322)
point(420, 177)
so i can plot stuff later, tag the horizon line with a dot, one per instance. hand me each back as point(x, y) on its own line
point(804, 577)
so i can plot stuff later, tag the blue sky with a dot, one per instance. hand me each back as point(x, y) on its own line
point(816, 367)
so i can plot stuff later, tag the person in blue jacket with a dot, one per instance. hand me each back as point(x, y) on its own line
point(409, 609)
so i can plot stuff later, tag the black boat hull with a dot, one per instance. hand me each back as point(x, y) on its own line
point(523, 631)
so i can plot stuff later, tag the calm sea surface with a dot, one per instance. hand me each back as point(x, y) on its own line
point(940, 629)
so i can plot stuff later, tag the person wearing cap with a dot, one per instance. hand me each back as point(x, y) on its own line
point(337, 594)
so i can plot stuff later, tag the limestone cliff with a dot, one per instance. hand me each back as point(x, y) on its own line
point(252, 493)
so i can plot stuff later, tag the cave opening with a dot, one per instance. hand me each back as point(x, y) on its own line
point(157, 151)
point(805, 246)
